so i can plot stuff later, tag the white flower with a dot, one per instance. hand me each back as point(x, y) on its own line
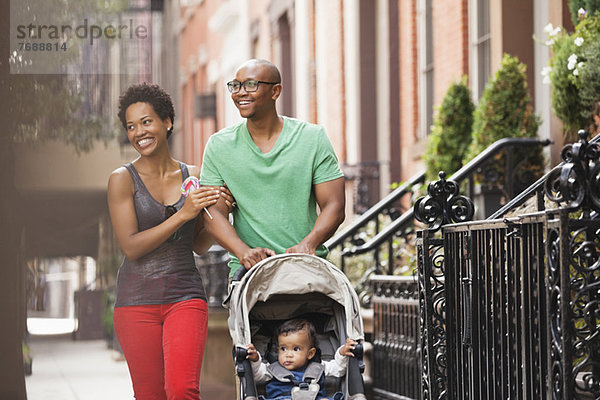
point(551, 30)
point(578, 41)
point(546, 74)
point(576, 72)
point(572, 62)
point(581, 13)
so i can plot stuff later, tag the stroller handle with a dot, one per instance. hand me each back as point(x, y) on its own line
point(239, 274)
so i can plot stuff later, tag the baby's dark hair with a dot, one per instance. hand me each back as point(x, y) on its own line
point(296, 325)
point(151, 94)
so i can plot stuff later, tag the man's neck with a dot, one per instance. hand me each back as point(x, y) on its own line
point(265, 128)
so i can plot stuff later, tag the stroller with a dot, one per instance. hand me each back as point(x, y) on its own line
point(295, 286)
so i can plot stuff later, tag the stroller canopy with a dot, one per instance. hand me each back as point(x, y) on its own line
point(288, 275)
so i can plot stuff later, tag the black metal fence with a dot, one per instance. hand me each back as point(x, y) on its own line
point(396, 345)
point(486, 337)
point(509, 306)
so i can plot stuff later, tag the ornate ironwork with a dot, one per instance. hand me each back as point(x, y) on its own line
point(443, 204)
point(577, 181)
point(574, 304)
point(365, 176)
point(432, 300)
point(396, 339)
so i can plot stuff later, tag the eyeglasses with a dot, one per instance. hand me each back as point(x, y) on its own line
point(250, 85)
point(170, 210)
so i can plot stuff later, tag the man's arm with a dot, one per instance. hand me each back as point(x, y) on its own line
point(224, 233)
point(331, 198)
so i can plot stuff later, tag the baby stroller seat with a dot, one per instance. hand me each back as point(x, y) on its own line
point(290, 286)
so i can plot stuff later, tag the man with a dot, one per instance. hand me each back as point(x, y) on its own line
point(278, 169)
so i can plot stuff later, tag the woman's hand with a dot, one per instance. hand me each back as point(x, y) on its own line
point(198, 199)
point(228, 197)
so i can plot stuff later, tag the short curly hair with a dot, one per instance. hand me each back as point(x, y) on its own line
point(151, 94)
point(297, 325)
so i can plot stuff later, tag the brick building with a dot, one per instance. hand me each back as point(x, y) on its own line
point(371, 72)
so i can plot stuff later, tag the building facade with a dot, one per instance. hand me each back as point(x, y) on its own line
point(371, 72)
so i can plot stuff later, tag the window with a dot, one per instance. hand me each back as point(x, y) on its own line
point(480, 65)
point(425, 54)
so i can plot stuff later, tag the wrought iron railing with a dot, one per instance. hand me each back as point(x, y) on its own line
point(366, 234)
point(511, 308)
point(391, 206)
point(537, 188)
point(396, 345)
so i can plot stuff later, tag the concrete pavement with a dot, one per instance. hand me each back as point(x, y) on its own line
point(65, 369)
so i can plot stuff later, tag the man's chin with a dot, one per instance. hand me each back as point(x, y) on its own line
point(246, 113)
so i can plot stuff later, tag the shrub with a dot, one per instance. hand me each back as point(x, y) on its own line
point(574, 74)
point(589, 6)
point(451, 131)
point(505, 110)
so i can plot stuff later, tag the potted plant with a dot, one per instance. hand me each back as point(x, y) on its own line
point(503, 111)
point(450, 134)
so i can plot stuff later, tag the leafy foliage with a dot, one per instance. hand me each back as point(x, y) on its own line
point(504, 111)
point(72, 107)
point(451, 131)
point(49, 107)
point(574, 75)
point(590, 6)
point(505, 108)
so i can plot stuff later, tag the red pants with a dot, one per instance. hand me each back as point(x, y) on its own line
point(164, 345)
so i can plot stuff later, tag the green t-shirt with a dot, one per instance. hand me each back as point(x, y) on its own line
point(276, 205)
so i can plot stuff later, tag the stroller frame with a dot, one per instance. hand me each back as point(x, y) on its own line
point(265, 292)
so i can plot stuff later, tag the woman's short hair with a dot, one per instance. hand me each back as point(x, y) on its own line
point(151, 94)
point(296, 325)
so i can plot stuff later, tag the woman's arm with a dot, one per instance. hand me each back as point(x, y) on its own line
point(135, 244)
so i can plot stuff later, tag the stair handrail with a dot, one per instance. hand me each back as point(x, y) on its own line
point(464, 172)
point(372, 212)
point(536, 186)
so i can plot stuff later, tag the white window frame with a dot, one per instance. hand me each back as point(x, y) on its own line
point(480, 59)
point(426, 66)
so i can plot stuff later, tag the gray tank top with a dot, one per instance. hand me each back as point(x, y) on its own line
point(167, 274)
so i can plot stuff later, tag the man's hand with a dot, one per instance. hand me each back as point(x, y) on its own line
point(253, 256)
point(302, 248)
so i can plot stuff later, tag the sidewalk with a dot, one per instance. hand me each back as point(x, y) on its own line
point(65, 369)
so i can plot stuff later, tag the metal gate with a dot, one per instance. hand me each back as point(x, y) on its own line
point(488, 324)
point(511, 309)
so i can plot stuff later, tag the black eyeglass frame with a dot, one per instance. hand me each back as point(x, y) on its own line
point(170, 210)
point(232, 89)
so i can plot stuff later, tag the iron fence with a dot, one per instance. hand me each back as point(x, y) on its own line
point(510, 309)
point(396, 344)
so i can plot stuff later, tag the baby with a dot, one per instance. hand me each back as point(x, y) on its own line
point(296, 343)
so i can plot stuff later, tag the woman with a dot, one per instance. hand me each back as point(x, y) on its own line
point(160, 311)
